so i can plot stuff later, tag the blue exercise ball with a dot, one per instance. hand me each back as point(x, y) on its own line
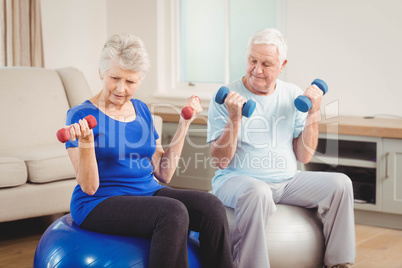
point(65, 244)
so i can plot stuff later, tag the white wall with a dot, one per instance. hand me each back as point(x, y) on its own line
point(356, 46)
point(137, 17)
point(74, 32)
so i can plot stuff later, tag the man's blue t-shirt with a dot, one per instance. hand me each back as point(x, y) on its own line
point(123, 152)
point(265, 140)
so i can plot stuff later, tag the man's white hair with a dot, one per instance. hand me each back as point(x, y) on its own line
point(270, 36)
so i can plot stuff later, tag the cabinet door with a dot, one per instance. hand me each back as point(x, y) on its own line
point(195, 169)
point(392, 176)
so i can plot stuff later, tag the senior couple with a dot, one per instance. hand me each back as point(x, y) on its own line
point(119, 194)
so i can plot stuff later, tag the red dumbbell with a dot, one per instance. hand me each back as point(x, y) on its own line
point(187, 111)
point(63, 135)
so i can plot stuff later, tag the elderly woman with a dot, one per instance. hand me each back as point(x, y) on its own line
point(116, 164)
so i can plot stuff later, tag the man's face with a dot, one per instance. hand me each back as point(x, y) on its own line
point(262, 69)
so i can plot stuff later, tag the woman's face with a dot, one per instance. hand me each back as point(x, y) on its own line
point(120, 85)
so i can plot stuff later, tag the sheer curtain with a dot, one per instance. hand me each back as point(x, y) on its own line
point(20, 33)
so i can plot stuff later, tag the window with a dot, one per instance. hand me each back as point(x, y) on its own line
point(202, 41)
point(208, 41)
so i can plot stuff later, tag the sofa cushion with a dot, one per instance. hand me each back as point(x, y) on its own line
point(13, 172)
point(34, 200)
point(45, 163)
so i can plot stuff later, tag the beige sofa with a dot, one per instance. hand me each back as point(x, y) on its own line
point(36, 175)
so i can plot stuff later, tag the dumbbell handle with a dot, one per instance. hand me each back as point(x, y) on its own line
point(248, 107)
point(63, 134)
point(303, 103)
point(187, 111)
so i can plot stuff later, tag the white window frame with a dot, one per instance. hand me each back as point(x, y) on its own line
point(169, 86)
point(168, 54)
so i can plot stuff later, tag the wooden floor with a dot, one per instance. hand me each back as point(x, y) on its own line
point(376, 247)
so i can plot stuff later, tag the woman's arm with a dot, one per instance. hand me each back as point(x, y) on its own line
point(83, 158)
point(165, 162)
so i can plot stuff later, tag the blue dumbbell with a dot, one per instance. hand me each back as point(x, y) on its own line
point(248, 107)
point(302, 103)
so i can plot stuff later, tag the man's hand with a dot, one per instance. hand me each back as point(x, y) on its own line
point(234, 104)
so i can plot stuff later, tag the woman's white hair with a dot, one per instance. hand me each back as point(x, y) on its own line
point(128, 51)
point(270, 36)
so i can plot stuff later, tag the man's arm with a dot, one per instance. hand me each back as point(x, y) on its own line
point(305, 145)
point(224, 147)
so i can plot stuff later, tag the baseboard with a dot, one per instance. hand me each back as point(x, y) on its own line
point(380, 219)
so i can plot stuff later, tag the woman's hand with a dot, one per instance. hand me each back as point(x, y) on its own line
point(194, 103)
point(82, 132)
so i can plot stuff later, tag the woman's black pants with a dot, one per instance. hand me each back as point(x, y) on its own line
point(166, 218)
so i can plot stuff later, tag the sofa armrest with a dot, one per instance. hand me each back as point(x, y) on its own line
point(75, 85)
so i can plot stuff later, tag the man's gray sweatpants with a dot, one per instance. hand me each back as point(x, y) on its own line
point(254, 201)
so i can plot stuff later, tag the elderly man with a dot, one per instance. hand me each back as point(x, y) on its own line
point(257, 158)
